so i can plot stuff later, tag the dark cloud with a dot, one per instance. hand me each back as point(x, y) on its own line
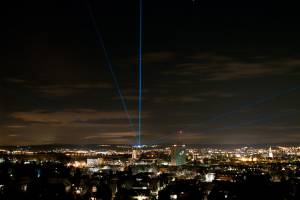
point(67, 116)
point(158, 57)
point(68, 90)
point(221, 68)
point(178, 99)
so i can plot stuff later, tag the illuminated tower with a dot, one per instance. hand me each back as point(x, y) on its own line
point(135, 154)
point(178, 156)
point(270, 154)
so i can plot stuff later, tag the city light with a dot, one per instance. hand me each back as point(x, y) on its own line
point(149, 100)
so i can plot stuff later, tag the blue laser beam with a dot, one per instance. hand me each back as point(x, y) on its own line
point(109, 64)
point(139, 131)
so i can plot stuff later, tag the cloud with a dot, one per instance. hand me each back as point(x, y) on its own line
point(216, 67)
point(277, 128)
point(13, 135)
point(158, 57)
point(186, 138)
point(16, 126)
point(209, 56)
point(62, 90)
point(69, 126)
point(216, 93)
point(14, 80)
point(237, 137)
point(178, 99)
point(111, 135)
point(240, 70)
point(68, 116)
point(130, 98)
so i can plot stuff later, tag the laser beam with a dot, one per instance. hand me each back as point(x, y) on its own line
point(110, 67)
point(139, 131)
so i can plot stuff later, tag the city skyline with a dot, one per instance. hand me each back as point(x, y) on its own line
point(225, 74)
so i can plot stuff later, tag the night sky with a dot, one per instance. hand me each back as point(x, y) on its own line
point(223, 74)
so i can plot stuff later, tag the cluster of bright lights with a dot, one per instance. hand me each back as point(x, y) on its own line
point(77, 164)
point(140, 197)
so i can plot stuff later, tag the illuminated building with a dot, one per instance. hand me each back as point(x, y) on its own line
point(178, 156)
point(94, 162)
point(135, 154)
point(270, 154)
point(209, 177)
